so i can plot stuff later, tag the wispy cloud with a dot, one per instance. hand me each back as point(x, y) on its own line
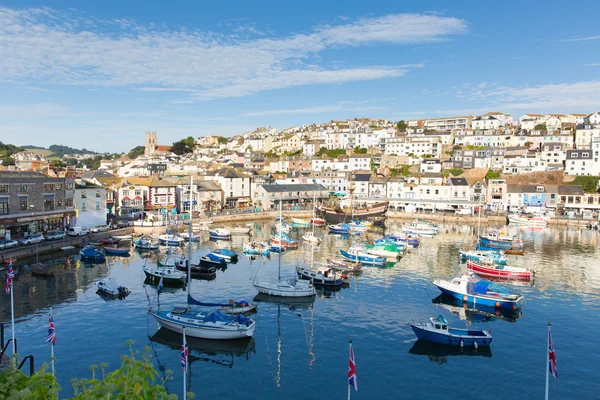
point(582, 39)
point(40, 110)
point(591, 65)
point(339, 106)
point(49, 47)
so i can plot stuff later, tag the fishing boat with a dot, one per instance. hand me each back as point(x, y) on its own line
point(321, 276)
point(171, 240)
point(499, 240)
point(337, 215)
point(409, 240)
point(537, 219)
point(387, 250)
point(310, 237)
point(257, 249)
point(40, 269)
point(341, 265)
point(477, 255)
point(214, 325)
point(317, 221)
point(356, 254)
point(516, 252)
point(146, 243)
point(220, 233)
point(438, 331)
point(357, 226)
point(115, 251)
point(200, 271)
point(226, 254)
point(89, 253)
point(123, 237)
point(420, 228)
point(300, 222)
point(284, 240)
point(343, 229)
point(110, 287)
point(282, 286)
point(475, 290)
point(239, 230)
point(486, 267)
point(189, 237)
point(169, 275)
point(213, 260)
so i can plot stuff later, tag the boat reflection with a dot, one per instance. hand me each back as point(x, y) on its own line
point(220, 352)
point(439, 353)
point(478, 313)
point(293, 303)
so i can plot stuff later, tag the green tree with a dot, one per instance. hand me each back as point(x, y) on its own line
point(492, 175)
point(360, 150)
point(190, 142)
point(401, 125)
point(180, 148)
point(222, 139)
point(136, 152)
point(540, 127)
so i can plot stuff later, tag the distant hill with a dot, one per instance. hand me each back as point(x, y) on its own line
point(56, 150)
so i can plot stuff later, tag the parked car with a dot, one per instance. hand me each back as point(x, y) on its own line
point(57, 235)
point(463, 211)
point(33, 239)
point(8, 244)
point(77, 231)
point(120, 224)
point(99, 228)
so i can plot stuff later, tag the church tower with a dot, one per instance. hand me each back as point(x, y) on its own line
point(150, 143)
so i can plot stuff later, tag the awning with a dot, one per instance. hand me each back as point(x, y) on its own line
point(126, 198)
point(137, 197)
point(245, 200)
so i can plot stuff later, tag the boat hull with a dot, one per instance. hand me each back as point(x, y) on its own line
point(484, 270)
point(204, 332)
point(484, 301)
point(374, 213)
point(499, 244)
point(541, 222)
point(272, 289)
point(167, 281)
point(368, 260)
point(449, 339)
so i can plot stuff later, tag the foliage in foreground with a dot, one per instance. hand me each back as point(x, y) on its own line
point(135, 379)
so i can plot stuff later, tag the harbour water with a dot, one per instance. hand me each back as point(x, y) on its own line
point(300, 350)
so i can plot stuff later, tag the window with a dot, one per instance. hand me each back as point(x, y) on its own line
point(125, 193)
point(138, 192)
point(22, 189)
point(3, 206)
point(83, 195)
point(83, 206)
point(573, 155)
point(97, 193)
point(48, 187)
point(69, 202)
point(97, 205)
point(58, 203)
point(585, 155)
point(4, 188)
point(23, 203)
point(58, 186)
point(69, 185)
point(590, 200)
point(48, 202)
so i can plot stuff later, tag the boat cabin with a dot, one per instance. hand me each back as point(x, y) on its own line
point(439, 323)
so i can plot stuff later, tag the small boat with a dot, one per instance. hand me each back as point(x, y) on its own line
point(283, 227)
point(186, 236)
point(206, 325)
point(420, 228)
point(109, 287)
point(284, 240)
point(197, 270)
point(239, 307)
point(114, 251)
point(109, 241)
point(41, 270)
point(388, 250)
point(516, 252)
point(64, 248)
point(123, 237)
point(257, 249)
point(536, 219)
point(239, 230)
point(226, 254)
point(343, 229)
point(310, 237)
point(477, 255)
point(409, 240)
point(322, 276)
point(317, 221)
point(356, 254)
point(357, 226)
point(213, 260)
point(146, 243)
point(277, 248)
point(220, 233)
point(171, 240)
point(168, 275)
point(499, 240)
point(90, 253)
point(300, 222)
point(341, 265)
point(472, 289)
point(438, 331)
point(486, 267)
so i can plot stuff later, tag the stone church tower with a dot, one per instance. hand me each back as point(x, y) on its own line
point(150, 143)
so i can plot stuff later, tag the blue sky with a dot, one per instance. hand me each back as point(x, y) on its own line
point(99, 74)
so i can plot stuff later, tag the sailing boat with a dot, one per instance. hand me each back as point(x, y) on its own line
point(285, 287)
point(200, 324)
point(310, 236)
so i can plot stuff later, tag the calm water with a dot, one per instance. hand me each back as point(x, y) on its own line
point(301, 350)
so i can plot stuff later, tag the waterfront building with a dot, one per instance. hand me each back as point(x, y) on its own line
point(133, 197)
point(268, 196)
point(90, 203)
point(235, 184)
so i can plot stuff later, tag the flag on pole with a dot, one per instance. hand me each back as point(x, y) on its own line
point(551, 356)
point(9, 278)
point(51, 338)
point(352, 381)
point(184, 353)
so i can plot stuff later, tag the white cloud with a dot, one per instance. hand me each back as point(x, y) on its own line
point(582, 39)
point(49, 47)
point(591, 65)
point(339, 106)
point(41, 110)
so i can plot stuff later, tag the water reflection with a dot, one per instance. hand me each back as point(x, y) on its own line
point(475, 313)
point(439, 353)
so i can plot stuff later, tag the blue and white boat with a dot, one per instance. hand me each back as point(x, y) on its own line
point(171, 240)
point(213, 260)
point(343, 229)
point(257, 249)
point(226, 254)
point(146, 243)
point(357, 226)
point(412, 241)
point(499, 240)
point(472, 289)
point(357, 255)
point(497, 257)
point(420, 228)
point(220, 233)
point(438, 331)
point(215, 325)
point(277, 248)
point(90, 253)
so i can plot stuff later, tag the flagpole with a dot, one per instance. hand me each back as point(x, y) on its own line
point(12, 314)
point(350, 347)
point(547, 360)
point(185, 368)
point(52, 349)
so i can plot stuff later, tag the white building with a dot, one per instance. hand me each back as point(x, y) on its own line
point(529, 121)
point(359, 161)
point(409, 145)
point(554, 121)
point(593, 119)
point(581, 162)
point(486, 122)
point(448, 124)
point(552, 155)
point(235, 184)
point(90, 203)
point(584, 134)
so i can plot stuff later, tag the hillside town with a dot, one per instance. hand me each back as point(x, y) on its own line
point(491, 161)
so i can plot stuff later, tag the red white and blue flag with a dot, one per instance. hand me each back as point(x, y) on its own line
point(352, 381)
point(9, 278)
point(184, 353)
point(551, 356)
point(51, 338)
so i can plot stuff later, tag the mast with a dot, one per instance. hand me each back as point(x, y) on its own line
point(280, 240)
point(189, 257)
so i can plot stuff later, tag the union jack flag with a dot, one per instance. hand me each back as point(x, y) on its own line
point(551, 356)
point(9, 278)
point(51, 338)
point(184, 353)
point(352, 381)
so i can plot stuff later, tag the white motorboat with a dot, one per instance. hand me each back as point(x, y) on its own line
point(110, 287)
point(239, 230)
point(529, 220)
point(420, 228)
point(215, 325)
point(171, 240)
point(186, 236)
point(220, 233)
point(169, 275)
point(310, 237)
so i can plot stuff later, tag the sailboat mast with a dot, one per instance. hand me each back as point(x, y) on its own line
point(314, 211)
point(280, 240)
point(189, 257)
point(479, 218)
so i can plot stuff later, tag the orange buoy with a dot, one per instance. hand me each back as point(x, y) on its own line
point(465, 298)
point(497, 304)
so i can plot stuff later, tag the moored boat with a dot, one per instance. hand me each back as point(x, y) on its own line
point(90, 253)
point(110, 287)
point(477, 255)
point(257, 248)
point(284, 240)
point(356, 254)
point(343, 229)
point(213, 260)
point(321, 276)
point(475, 290)
point(171, 240)
point(341, 265)
point(239, 230)
point(412, 241)
point(537, 219)
point(146, 243)
point(310, 237)
point(115, 251)
point(226, 254)
point(317, 221)
point(336, 215)
point(41, 269)
point(488, 268)
point(438, 331)
point(220, 233)
point(420, 228)
point(214, 325)
point(300, 222)
point(169, 276)
point(123, 237)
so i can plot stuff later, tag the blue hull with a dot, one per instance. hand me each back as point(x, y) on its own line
point(414, 243)
point(511, 305)
point(452, 340)
point(219, 237)
point(500, 244)
point(363, 259)
point(340, 231)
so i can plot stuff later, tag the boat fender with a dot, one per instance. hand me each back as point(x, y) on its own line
point(497, 304)
point(465, 298)
point(475, 344)
point(461, 344)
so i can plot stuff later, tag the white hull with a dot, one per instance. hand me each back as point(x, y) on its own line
point(383, 253)
point(421, 232)
point(284, 289)
point(205, 331)
point(528, 221)
point(239, 230)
